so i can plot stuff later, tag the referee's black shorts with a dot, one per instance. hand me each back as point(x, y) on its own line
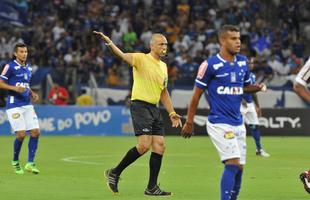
point(146, 118)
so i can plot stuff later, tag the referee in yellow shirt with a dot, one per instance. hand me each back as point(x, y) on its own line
point(150, 85)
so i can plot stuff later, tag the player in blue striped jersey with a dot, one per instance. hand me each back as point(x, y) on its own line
point(225, 76)
point(15, 78)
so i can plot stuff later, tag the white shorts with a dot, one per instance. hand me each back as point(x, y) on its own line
point(249, 114)
point(230, 141)
point(23, 118)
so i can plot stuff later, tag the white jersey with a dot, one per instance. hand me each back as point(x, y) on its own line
point(303, 77)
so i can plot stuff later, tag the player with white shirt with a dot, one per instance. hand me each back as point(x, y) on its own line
point(225, 76)
point(15, 78)
point(302, 80)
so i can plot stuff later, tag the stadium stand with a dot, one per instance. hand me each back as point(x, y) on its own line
point(59, 34)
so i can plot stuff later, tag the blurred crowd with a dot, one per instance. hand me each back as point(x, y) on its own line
point(59, 35)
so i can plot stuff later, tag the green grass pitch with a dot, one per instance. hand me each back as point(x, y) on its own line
point(72, 169)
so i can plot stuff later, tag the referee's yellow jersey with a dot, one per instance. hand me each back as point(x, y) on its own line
point(150, 77)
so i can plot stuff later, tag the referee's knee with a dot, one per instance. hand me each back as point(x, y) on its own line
point(159, 147)
point(143, 148)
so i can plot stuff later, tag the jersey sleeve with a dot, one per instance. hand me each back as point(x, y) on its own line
point(303, 77)
point(253, 78)
point(6, 72)
point(136, 59)
point(204, 75)
point(247, 76)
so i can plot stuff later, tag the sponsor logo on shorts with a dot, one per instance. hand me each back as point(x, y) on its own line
point(229, 135)
point(15, 115)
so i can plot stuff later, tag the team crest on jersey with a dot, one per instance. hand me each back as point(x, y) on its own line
point(202, 69)
point(25, 76)
point(241, 63)
point(15, 115)
point(229, 135)
point(217, 66)
point(233, 77)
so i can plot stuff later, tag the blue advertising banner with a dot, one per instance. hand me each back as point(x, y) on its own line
point(76, 120)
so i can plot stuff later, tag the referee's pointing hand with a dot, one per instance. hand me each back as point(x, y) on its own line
point(103, 36)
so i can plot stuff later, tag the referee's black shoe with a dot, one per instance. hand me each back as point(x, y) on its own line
point(112, 180)
point(156, 191)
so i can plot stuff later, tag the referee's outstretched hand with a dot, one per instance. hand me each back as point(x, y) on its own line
point(176, 120)
point(187, 130)
point(103, 36)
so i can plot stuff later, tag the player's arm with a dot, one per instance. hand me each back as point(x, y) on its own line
point(252, 88)
point(257, 106)
point(301, 81)
point(166, 101)
point(6, 86)
point(127, 57)
point(188, 128)
point(35, 97)
point(302, 91)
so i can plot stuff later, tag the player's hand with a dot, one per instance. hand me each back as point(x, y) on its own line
point(187, 130)
point(103, 36)
point(35, 97)
point(263, 87)
point(20, 89)
point(176, 120)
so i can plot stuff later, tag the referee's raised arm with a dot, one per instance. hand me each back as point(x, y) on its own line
point(127, 57)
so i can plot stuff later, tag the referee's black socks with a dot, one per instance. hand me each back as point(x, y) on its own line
point(155, 164)
point(131, 156)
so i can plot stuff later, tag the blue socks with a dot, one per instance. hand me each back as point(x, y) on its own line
point(228, 181)
point(236, 189)
point(17, 147)
point(256, 135)
point(32, 147)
